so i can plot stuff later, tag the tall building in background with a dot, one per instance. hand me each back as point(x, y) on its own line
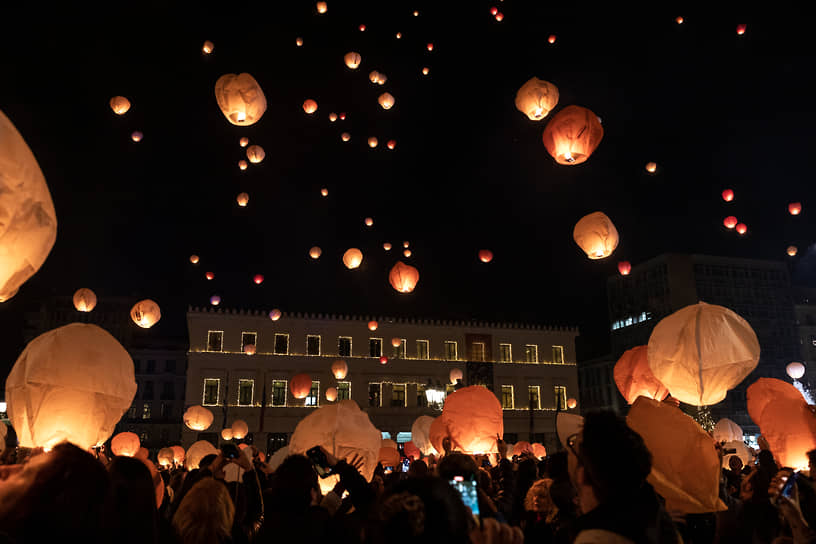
point(805, 308)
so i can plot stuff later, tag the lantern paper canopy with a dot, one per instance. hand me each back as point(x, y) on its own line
point(239, 429)
point(420, 434)
point(310, 106)
point(165, 457)
point(145, 313)
point(572, 135)
point(208, 47)
point(198, 451)
point(679, 20)
point(301, 385)
point(362, 28)
point(258, 279)
point(651, 167)
point(369, 222)
point(255, 154)
point(730, 222)
point(391, 144)
point(28, 222)
point(624, 267)
point(741, 29)
point(727, 431)
point(198, 418)
point(411, 451)
point(331, 394)
point(274, 315)
point(209, 275)
point(596, 235)
point(315, 252)
point(84, 300)
point(240, 98)
point(339, 369)
point(142, 454)
point(455, 375)
point(194, 259)
point(345, 136)
point(120, 105)
point(215, 300)
point(352, 258)
point(499, 16)
point(372, 142)
point(539, 450)
point(522, 447)
point(474, 418)
point(396, 342)
point(387, 246)
point(406, 244)
point(795, 370)
point(299, 42)
point(372, 325)
point(324, 192)
point(126, 444)
point(795, 208)
point(785, 421)
point(536, 98)
point(242, 164)
point(377, 78)
point(634, 378)
point(551, 38)
point(383, 360)
point(352, 60)
point(403, 277)
point(322, 7)
point(388, 443)
point(243, 142)
point(792, 251)
point(178, 454)
point(685, 463)
point(425, 71)
point(332, 117)
point(701, 351)
point(407, 253)
point(389, 457)
point(485, 255)
point(742, 228)
point(437, 433)
point(226, 434)
point(572, 403)
point(242, 199)
point(250, 349)
point(728, 195)
point(136, 136)
point(386, 100)
point(71, 383)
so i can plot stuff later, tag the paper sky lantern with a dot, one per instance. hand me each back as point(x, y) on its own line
point(742, 228)
point(373, 142)
point(792, 251)
point(407, 253)
point(551, 38)
point(339, 369)
point(388, 443)
point(242, 199)
point(71, 383)
point(315, 252)
point(391, 144)
point(485, 255)
point(679, 20)
point(165, 457)
point(369, 222)
point(701, 351)
point(403, 277)
point(145, 313)
point(310, 106)
point(685, 463)
point(386, 100)
point(342, 116)
point(255, 154)
point(539, 450)
point(572, 403)
point(387, 246)
point(178, 454)
point(120, 105)
point(741, 29)
point(274, 315)
point(429, 47)
point(494, 11)
point(197, 418)
point(795, 370)
point(194, 259)
point(624, 267)
point(352, 60)
point(84, 300)
point(226, 434)
point(785, 420)
point(499, 17)
point(572, 135)
point(634, 378)
point(377, 78)
point(411, 451)
point(795, 208)
point(136, 136)
point(240, 98)
point(437, 433)
point(324, 192)
point(730, 222)
point(300, 385)
point(372, 325)
point(396, 342)
point(596, 235)
point(455, 374)
point(322, 7)
point(536, 98)
point(345, 136)
point(420, 434)
point(399, 35)
point(425, 71)
point(728, 195)
point(239, 429)
point(389, 457)
point(215, 300)
point(258, 279)
point(474, 417)
point(242, 164)
point(332, 117)
point(209, 275)
point(651, 167)
point(126, 444)
point(142, 454)
point(362, 28)
point(331, 394)
point(352, 258)
point(522, 447)
point(28, 222)
point(197, 452)
point(383, 360)
point(727, 431)
point(250, 349)
point(208, 47)
point(299, 41)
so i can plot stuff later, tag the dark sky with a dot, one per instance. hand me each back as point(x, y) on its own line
point(713, 109)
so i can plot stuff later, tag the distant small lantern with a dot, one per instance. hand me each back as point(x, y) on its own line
point(243, 142)
point(242, 164)
point(730, 222)
point(299, 41)
point(795, 370)
point(651, 167)
point(339, 369)
point(249, 349)
point(369, 222)
point(500, 17)
point(300, 385)
point(345, 136)
point(372, 326)
point(145, 313)
point(679, 20)
point(572, 403)
point(405, 244)
point(551, 39)
point(310, 106)
point(275, 314)
point(429, 47)
point(426, 71)
point(84, 300)
point(258, 279)
point(198, 418)
point(383, 360)
point(120, 105)
point(596, 235)
point(255, 154)
point(342, 116)
point(322, 7)
point(332, 117)
point(455, 375)
point(136, 136)
point(396, 342)
point(352, 59)
point(387, 246)
point(331, 394)
point(572, 135)
point(391, 144)
point(407, 253)
point(215, 300)
point(485, 255)
point(240, 98)
point(416, 14)
point(324, 192)
point(239, 429)
point(399, 35)
point(315, 252)
point(372, 142)
point(742, 228)
point(352, 258)
point(209, 275)
point(741, 29)
point(386, 100)
point(494, 11)
point(165, 457)
point(226, 433)
point(403, 277)
point(377, 77)
point(792, 251)
point(194, 259)
point(242, 199)
point(208, 47)
point(728, 195)
point(126, 444)
point(536, 98)
point(362, 28)
point(624, 267)
point(795, 208)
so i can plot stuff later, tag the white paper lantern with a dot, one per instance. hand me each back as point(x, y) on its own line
point(727, 431)
point(197, 452)
point(421, 434)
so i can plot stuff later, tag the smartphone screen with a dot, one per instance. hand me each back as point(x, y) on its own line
point(787, 491)
point(468, 490)
point(406, 464)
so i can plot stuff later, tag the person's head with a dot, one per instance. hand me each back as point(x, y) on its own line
point(293, 486)
point(205, 515)
point(735, 463)
point(765, 460)
point(131, 506)
point(557, 466)
point(538, 498)
point(207, 460)
point(418, 469)
point(457, 464)
point(811, 462)
point(608, 459)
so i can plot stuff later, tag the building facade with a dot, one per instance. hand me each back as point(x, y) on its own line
point(805, 308)
point(531, 369)
point(597, 386)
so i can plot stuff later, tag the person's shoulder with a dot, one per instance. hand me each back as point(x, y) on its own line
point(600, 536)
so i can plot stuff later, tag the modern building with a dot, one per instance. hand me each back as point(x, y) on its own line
point(805, 308)
point(757, 290)
point(530, 368)
point(597, 386)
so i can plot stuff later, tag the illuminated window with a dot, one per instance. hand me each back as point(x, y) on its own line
point(451, 351)
point(246, 389)
point(215, 340)
point(375, 347)
point(560, 392)
point(146, 410)
point(558, 355)
point(343, 390)
point(531, 353)
point(506, 353)
point(312, 344)
point(478, 351)
point(281, 344)
point(375, 394)
point(279, 393)
point(422, 349)
point(344, 346)
point(211, 389)
point(534, 393)
point(507, 397)
point(398, 395)
point(400, 351)
point(314, 395)
point(248, 339)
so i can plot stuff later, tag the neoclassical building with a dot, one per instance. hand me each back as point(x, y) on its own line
point(530, 368)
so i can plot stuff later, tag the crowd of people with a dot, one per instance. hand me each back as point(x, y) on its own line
point(595, 490)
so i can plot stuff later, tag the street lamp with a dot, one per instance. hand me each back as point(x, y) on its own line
point(435, 394)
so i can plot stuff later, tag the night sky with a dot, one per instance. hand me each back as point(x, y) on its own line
point(715, 110)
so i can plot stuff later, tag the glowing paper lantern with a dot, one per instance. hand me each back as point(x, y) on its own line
point(369, 222)
point(701, 351)
point(730, 222)
point(198, 451)
point(215, 300)
point(741, 29)
point(136, 136)
point(299, 41)
point(572, 135)
point(386, 100)
point(239, 429)
point(651, 167)
point(425, 71)
point(407, 253)
point(494, 11)
point(551, 38)
point(372, 325)
point(391, 144)
point(399, 35)
point(500, 17)
point(197, 418)
point(420, 434)
point(194, 259)
point(383, 360)
point(795, 370)
point(679, 20)
point(474, 418)
point(322, 7)
point(352, 258)
point(142, 454)
point(539, 450)
point(126, 444)
point(685, 463)
point(728, 195)
point(255, 154)
point(242, 164)
point(240, 98)
point(324, 192)
point(784, 419)
point(28, 222)
point(315, 252)
point(71, 383)
point(389, 457)
point(411, 451)
point(208, 47)
point(572, 403)
point(396, 342)
point(387, 246)
point(429, 47)
point(437, 433)
point(178, 454)
point(792, 251)
point(634, 378)
point(362, 28)
point(120, 105)
point(522, 447)
point(84, 300)
point(455, 375)
point(624, 267)
point(258, 279)
point(345, 136)
point(388, 443)
point(274, 315)
point(300, 385)
point(795, 208)
point(372, 142)
point(242, 199)
point(249, 349)
point(536, 98)
point(165, 457)
point(339, 369)
point(727, 431)
point(310, 106)
point(352, 60)
point(332, 117)
point(405, 244)
point(226, 434)
point(596, 235)
point(403, 277)
point(209, 275)
point(742, 228)
point(485, 255)
point(331, 394)
point(145, 313)
point(342, 116)
point(377, 78)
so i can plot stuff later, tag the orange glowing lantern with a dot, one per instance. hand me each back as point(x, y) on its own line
point(378, 78)
point(551, 38)
point(407, 253)
point(215, 300)
point(386, 100)
point(596, 235)
point(730, 222)
point(369, 222)
point(84, 300)
point(572, 135)
point(634, 378)
point(258, 279)
point(299, 41)
point(255, 154)
point(178, 454)
point(322, 7)
point(624, 267)
point(795, 208)
point(315, 252)
point(474, 418)
point(727, 431)
point(165, 457)
point(239, 429)
point(429, 47)
point(792, 251)
point(679, 20)
point(332, 117)
point(242, 199)
point(126, 444)
point(572, 403)
point(411, 451)
point(742, 228)
point(352, 258)
point(198, 418)
point(208, 47)
point(403, 277)
point(405, 244)
point(120, 105)
point(243, 142)
point(539, 450)
point(741, 29)
point(362, 28)
point(372, 326)
point(420, 434)
point(198, 451)
point(301, 385)
point(396, 342)
point(494, 11)
point(136, 136)
point(728, 195)
point(651, 167)
point(372, 142)
point(391, 144)
point(240, 98)
point(485, 255)
point(536, 98)
point(352, 60)
point(242, 164)
point(226, 434)
point(399, 35)
point(389, 457)
point(387, 246)
point(455, 375)
point(324, 192)
point(209, 275)
point(426, 71)
point(145, 313)
point(522, 447)
point(331, 394)
point(500, 17)
point(383, 360)
point(345, 136)
point(250, 349)
point(194, 259)
point(275, 314)
point(310, 106)
point(339, 369)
